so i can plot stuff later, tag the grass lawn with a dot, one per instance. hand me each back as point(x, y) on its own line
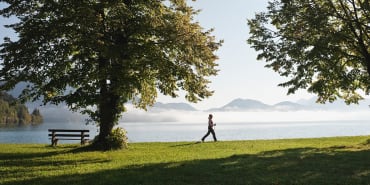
point(339, 160)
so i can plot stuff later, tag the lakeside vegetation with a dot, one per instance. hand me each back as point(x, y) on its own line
point(13, 113)
point(337, 160)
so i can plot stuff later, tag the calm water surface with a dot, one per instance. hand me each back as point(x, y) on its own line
point(165, 131)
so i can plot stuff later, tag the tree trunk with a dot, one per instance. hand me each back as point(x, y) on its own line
point(108, 102)
point(108, 116)
point(108, 107)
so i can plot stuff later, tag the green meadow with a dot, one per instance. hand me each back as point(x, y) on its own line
point(337, 161)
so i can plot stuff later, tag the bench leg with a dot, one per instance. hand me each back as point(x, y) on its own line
point(54, 142)
point(84, 141)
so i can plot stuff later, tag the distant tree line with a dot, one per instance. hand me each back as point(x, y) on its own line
point(12, 112)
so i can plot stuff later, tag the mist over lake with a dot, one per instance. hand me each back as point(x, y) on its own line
point(238, 110)
point(241, 119)
point(172, 125)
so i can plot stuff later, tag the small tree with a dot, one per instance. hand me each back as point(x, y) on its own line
point(96, 55)
point(322, 46)
point(23, 114)
point(36, 116)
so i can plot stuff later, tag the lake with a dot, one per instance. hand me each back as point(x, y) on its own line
point(177, 131)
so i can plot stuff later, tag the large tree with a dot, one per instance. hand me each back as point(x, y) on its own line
point(97, 55)
point(320, 45)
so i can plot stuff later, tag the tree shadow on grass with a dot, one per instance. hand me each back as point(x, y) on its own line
point(367, 142)
point(22, 162)
point(58, 150)
point(292, 166)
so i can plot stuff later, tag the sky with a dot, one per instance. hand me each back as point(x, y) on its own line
point(240, 75)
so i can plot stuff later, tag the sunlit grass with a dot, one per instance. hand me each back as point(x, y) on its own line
point(341, 160)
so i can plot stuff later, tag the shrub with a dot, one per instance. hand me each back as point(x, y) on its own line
point(117, 139)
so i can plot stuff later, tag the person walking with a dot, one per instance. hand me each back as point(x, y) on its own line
point(210, 129)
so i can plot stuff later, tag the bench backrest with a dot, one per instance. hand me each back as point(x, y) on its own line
point(68, 134)
point(67, 130)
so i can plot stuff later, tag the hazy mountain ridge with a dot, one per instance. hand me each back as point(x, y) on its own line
point(242, 105)
point(311, 104)
point(307, 104)
point(237, 104)
point(173, 106)
point(169, 112)
point(288, 106)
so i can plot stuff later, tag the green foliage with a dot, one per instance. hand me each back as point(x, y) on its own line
point(36, 116)
point(117, 139)
point(14, 113)
point(23, 115)
point(322, 46)
point(321, 161)
point(98, 55)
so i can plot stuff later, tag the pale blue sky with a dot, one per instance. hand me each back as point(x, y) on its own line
point(241, 75)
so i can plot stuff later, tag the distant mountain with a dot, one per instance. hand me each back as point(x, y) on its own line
point(174, 106)
point(61, 113)
point(336, 105)
point(308, 104)
point(17, 90)
point(243, 105)
point(288, 106)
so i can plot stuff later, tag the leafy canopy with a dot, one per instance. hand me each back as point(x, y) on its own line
point(83, 52)
point(321, 46)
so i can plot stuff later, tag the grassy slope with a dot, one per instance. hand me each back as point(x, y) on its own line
point(344, 160)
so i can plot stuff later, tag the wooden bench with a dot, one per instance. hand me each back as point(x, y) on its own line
point(67, 134)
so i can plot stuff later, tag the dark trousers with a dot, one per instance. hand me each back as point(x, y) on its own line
point(210, 130)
